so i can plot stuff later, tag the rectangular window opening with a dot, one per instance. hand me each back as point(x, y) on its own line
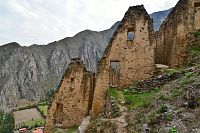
point(130, 34)
point(197, 4)
point(115, 66)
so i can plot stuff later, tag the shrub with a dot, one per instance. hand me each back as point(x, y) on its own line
point(173, 130)
point(170, 117)
point(163, 109)
point(196, 33)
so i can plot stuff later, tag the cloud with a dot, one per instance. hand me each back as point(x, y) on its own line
point(42, 21)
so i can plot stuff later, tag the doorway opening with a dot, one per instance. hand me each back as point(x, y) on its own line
point(114, 73)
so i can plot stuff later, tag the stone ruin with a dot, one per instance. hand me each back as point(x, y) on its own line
point(171, 40)
point(130, 56)
point(73, 99)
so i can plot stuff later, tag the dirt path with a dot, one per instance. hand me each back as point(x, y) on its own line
point(82, 128)
point(120, 121)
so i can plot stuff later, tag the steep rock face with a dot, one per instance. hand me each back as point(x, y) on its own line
point(159, 17)
point(30, 72)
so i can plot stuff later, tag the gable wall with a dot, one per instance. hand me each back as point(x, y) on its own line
point(136, 58)
point(75, 97)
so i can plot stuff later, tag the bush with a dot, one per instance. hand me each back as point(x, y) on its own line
point(173, 130)
point(170, 117)
point(196, 33)
point(163, 109)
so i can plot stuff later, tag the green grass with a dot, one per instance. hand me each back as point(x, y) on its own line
point(113, 92)
point(118, 97)
point(139, 100)
point(43, 107)
point(35, 123)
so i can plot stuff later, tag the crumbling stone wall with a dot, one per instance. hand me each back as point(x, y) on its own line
point(73, 99)
point(197, 14)
point(128, 57)
point(193, 49)
point(171, 42)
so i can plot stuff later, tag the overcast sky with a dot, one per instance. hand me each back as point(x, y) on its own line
point(43, 21)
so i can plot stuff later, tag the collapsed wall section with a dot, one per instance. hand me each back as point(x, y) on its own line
point(73, 99)
point(128, 57)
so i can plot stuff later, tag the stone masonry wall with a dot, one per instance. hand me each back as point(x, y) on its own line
point(171, 40)
point(131, 59)
point(193, 49)
point(73, 99)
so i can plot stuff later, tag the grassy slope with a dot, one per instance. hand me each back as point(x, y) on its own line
point(163, 108)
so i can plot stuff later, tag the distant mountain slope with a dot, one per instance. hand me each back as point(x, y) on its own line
point(159, 17)
point(30, 72)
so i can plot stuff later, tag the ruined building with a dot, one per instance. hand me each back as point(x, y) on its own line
point(128, 57)
point(130, 49)
point(171, 41)
point(73, 99)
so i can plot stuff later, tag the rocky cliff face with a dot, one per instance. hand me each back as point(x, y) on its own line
point(159, 17)
point(30, 72)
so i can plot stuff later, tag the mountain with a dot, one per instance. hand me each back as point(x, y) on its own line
point(31, 72)
point(159, 17)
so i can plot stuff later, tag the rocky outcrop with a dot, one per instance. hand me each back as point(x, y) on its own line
point(159, 17)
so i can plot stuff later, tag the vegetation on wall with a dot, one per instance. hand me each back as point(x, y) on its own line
point(196, 33)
